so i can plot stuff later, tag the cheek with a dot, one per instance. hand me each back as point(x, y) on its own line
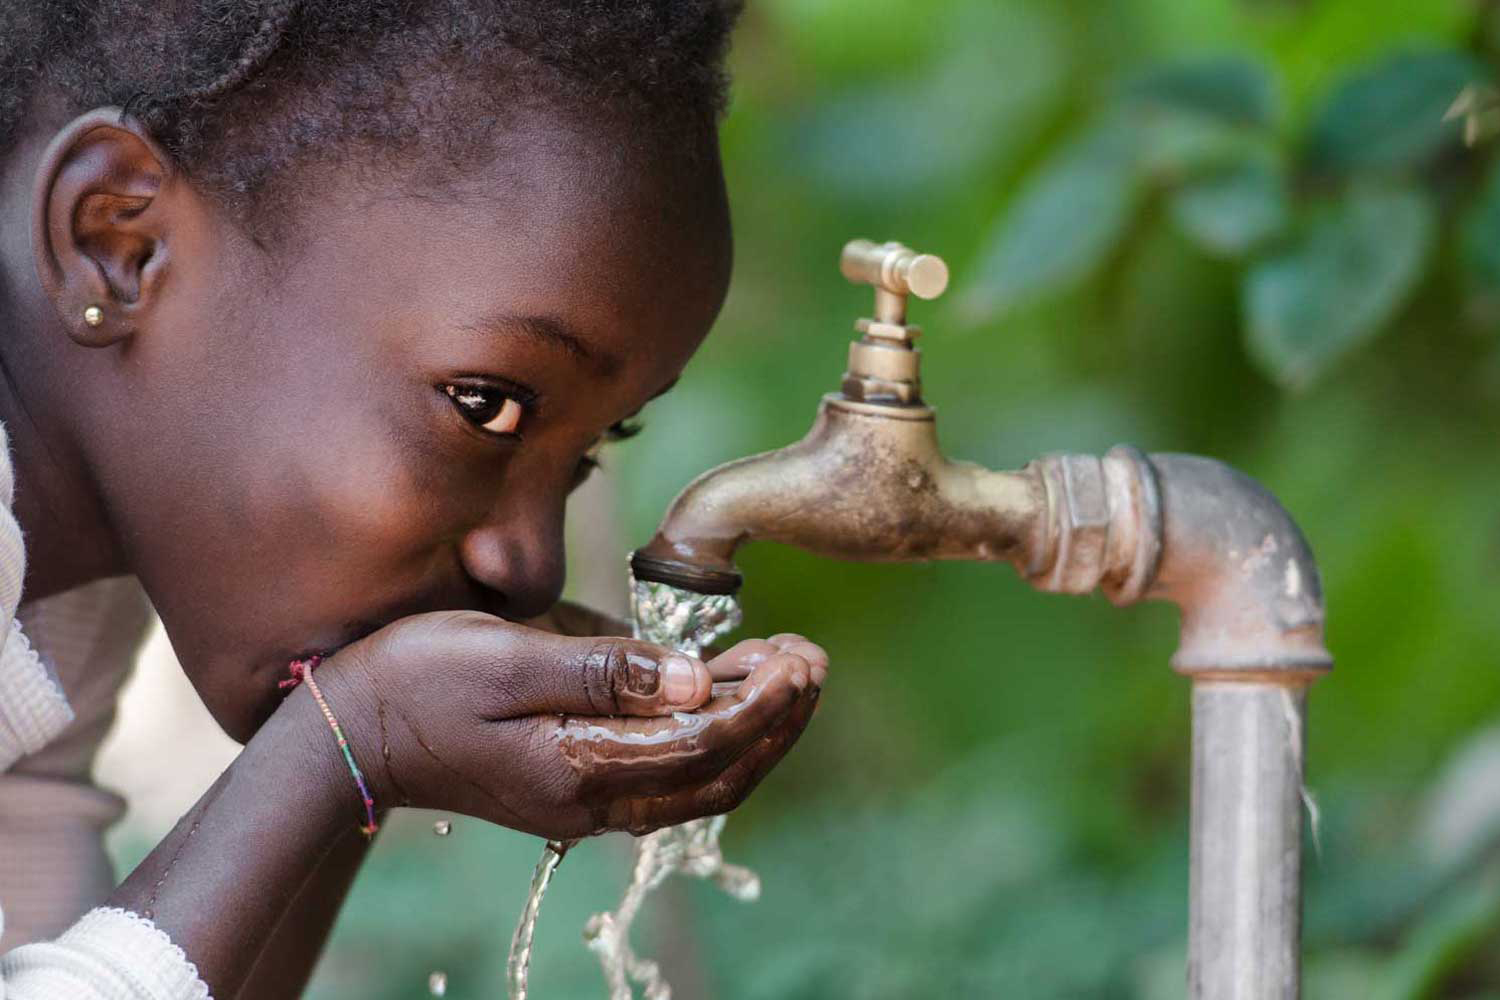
point(323, 517)
point(326, 529)
point(349, 494)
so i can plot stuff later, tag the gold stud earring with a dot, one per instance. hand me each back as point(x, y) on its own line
point(93, 315)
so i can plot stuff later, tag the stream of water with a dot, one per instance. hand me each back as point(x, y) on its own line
point(683, 620)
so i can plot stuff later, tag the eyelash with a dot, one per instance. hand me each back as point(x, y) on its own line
point(622, 430)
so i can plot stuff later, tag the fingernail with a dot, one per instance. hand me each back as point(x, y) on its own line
point(679, 679)
point(819, 675)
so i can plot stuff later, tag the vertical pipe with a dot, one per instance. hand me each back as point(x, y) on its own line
point(1245, 916)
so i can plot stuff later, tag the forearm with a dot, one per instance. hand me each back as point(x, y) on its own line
point(221, 882)
point(287, 961)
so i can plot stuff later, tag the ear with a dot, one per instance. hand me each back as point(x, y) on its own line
point(101, 226)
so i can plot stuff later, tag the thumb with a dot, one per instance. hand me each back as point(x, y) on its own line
point(538, 673)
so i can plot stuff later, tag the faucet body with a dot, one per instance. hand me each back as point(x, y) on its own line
point(869, 483)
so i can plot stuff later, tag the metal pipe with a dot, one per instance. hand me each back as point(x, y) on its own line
point(1245, 915)
point(1252, 642)
point(1178, 528)
point(870, 483)
point(1230, 557)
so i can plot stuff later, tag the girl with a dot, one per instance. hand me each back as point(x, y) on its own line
point(313, 313)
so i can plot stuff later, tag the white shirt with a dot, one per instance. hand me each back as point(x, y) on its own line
point(108, 954)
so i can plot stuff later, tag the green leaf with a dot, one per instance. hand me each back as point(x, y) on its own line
point(1391, 116)
point(1063, 223)
point(1339, 284)
point(1231, 212)
point(1231, 89)
point(1175, 145)
point(1451, 932)
point(894, 135)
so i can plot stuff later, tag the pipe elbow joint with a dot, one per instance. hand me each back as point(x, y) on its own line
point(1241, 571)
point(1195, 532)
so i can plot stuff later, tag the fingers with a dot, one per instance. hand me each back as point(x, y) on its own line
point(528, 672)
point(724, 791)
point(614, 757)
point(595, 774)
point(815, 655)
point(568, 618)
point(736, 662)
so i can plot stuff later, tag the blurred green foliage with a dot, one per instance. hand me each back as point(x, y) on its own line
point(1235, 227)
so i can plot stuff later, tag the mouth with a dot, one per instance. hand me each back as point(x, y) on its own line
point(276, 668)
point(277, 676)
point(333, 641)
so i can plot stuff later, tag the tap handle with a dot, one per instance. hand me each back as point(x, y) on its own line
point(895, 268)
point(883, 364)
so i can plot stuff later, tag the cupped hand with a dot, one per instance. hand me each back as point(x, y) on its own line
point(565, 737)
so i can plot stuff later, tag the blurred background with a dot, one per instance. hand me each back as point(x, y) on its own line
point(1234, 227)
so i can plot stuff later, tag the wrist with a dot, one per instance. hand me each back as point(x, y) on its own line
point(298, 744)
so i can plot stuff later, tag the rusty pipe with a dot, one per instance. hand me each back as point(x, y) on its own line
point(869, 483)
point(1197, 533)
point(872, 486)
point(1211, 540)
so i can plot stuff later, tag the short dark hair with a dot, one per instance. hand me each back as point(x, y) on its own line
point(241, 91)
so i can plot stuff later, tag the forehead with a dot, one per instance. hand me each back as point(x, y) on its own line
point(614, 238)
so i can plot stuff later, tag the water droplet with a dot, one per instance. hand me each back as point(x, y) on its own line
point(442, 828)
point(437, 984)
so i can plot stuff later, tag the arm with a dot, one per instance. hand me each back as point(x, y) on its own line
point(558, 737)
point(216, 885)
point(286, 963)
point(231, 869)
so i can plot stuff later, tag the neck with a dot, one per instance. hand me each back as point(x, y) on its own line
point(69, 541)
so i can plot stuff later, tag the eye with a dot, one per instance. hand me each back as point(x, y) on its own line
point(493, 410)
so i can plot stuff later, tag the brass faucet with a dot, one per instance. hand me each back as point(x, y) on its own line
point(869, 483)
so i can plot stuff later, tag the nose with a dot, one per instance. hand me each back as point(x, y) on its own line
point(518, 557)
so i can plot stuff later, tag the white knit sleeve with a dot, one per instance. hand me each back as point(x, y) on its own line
point(33, 709)
point(109, 954)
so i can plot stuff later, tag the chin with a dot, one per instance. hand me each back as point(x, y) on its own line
point(243, 719)
point(242, 692)
point(242, 706)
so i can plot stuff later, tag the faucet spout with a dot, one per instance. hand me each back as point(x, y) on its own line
point(868, 483)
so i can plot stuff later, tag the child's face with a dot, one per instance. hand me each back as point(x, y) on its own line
point(394, 422)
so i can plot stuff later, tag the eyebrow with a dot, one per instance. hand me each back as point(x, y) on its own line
point(548, 330)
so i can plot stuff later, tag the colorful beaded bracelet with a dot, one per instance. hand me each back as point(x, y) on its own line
point(302, 670)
